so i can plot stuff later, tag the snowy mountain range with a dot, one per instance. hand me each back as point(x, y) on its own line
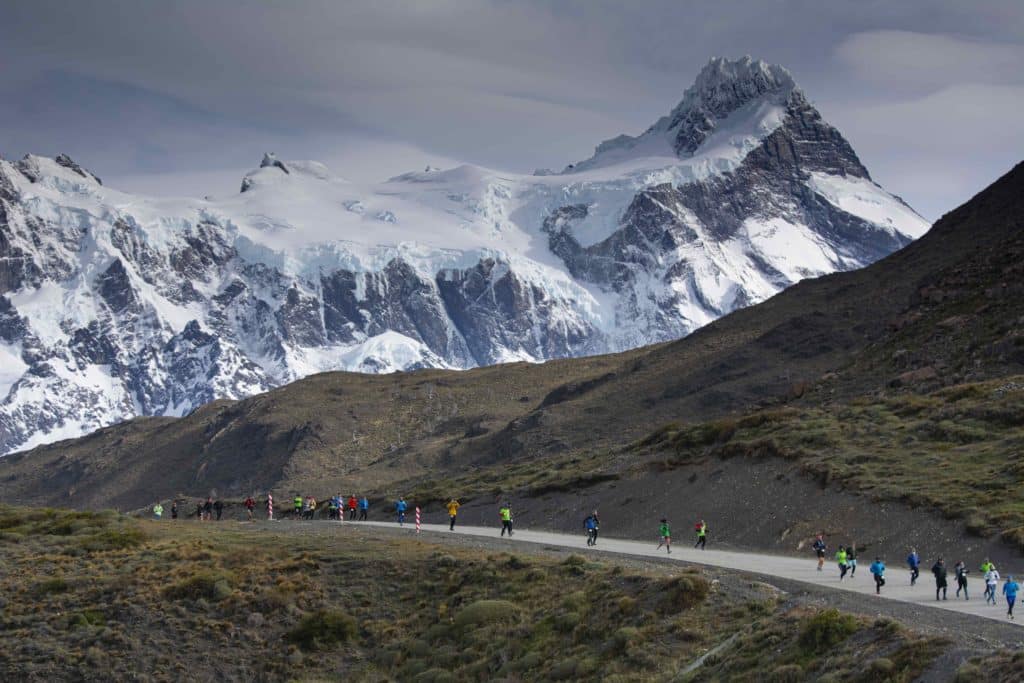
point(114, 305)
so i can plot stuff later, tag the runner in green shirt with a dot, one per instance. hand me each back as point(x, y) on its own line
point(666, 536)
point(506, 518)
point(841, 561)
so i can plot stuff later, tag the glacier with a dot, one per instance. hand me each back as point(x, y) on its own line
point(115, 305)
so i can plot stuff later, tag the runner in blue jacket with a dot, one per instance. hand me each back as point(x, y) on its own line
point(914, 562)
point(1010, 589)
point(400, 507)
point(877, 570)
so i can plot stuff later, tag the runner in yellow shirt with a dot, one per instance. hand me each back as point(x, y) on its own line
point(453, 509)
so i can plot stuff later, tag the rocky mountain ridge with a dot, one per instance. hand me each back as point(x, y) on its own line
point(114, 305)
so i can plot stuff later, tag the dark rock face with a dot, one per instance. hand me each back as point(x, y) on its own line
point(497, 313)
point(67, 162)
point(116, 289)
point(299, 319)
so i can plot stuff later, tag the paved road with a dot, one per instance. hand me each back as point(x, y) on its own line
point(805, 570)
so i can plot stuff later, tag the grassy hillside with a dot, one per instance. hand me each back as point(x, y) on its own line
point(104, 598)
point(944, 312)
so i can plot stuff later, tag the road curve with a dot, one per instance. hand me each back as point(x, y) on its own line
point(795, 569)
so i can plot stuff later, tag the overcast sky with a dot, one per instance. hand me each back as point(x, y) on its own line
point(183, 97)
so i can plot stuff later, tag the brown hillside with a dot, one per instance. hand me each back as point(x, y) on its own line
point(945, 310)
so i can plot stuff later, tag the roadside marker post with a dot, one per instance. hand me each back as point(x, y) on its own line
point(417, 519)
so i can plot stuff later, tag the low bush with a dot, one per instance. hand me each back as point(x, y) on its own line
point(323, 630)
point(205, 585)
point(825, 630)
point(484, 612)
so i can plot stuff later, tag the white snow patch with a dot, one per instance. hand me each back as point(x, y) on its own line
point(12, 367)
point(863, 198)
point(792, 249)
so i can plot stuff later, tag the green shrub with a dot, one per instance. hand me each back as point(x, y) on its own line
point(825, 630)
point(112, 539)
point(205, 585)
point(88, 617)
point(435, 675)
point(623, 639)
point(54, 585)
point(882, 667)
point(683, 592)
point(323, 630)
point(787, 673)
point(484, 612)
point(563, 670)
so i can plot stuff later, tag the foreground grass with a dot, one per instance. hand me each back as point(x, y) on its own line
point(169, 601)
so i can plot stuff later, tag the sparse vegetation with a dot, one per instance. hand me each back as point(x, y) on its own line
point(948, 449)
point(206, 601)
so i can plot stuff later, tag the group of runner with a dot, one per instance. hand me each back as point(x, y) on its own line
point(845, 556)
point(846, 560)
point(338, 507)
point(205, 510)
point(700, 528)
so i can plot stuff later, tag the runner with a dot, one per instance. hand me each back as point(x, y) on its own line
point(506, 518)
point(939, 570)
point(819, 550)
point(914, 562)
point(174, 509)
point(218, 507)
point(986, 567)
point(960, 570)
point(158, 510)
point(400, 507)
point(877, 570)
point(304, 508)
point(1010, 589)
point(250, 505)
point(597, 526)
point(851, 558)
point(332, 508)
point(991, 581)
point(364, 508)
point(208, 509)
point(352, 505)
point(666, 536)
point(702, 534)
point(590, 524)
point(453, 509)
point(841, 561)
point(311, 513)
point(298, 506)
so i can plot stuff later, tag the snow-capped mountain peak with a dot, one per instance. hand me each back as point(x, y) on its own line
point(740, 99)
point(115, 305)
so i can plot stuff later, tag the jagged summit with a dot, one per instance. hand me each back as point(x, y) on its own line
point(36, 168)
point(273, 170)
point(113, 306)
point(270, 160)
point(750, 88)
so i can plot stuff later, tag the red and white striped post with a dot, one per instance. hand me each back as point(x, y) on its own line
point(270, 507)
point(417, 519)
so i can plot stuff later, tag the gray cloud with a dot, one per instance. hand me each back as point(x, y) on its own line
point(169, 96)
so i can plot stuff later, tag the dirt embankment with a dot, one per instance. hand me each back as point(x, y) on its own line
point(765, 504)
